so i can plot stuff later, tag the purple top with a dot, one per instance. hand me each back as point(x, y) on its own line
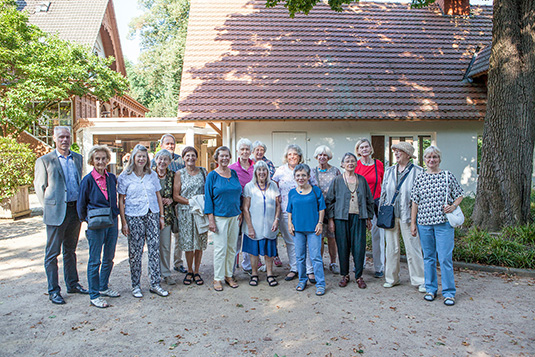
point(244, 176)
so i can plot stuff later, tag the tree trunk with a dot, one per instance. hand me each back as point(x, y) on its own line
point(504, 184)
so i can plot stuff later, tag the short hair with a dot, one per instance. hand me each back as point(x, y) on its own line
point(302, 167)
point(260, 164)
point(190, 149)
point(259, 143)
point(346, 155)
point(297, 149)
point(94, 150)
point(58, 128)
point(323, 149)
point(246, 142)
point(360, 142)
point(219, 149)
point(167, 136)
point(137, 149)
point(164, 152)
point(433, 149)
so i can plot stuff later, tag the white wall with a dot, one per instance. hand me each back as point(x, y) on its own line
point(456, 139)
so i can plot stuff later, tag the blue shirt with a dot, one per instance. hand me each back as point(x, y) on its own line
point(305, 209)
point(222, 195)
point(71, 176)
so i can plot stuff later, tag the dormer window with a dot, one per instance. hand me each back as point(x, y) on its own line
point(43, 6)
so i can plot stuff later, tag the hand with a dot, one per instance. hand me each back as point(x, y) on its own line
point(449, 208)
point(167, 201)
point(212, 226)
point(331, 225)
point(319, 229)
point(162, 222)
point(251, 234)
point(275, 225)
point(414, 229)
point(125, 229)
point(240, 217)
point(291, 228)
point(369, 224)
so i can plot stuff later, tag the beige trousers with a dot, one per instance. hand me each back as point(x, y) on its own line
point(225, 241)
point(415, 259)
point(165, 252)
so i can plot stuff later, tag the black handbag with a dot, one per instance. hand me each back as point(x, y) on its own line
point(385, 216)
point(99, 218)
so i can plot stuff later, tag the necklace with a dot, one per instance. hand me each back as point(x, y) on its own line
point(370, 163)
point(161, 176)
point(349, 188)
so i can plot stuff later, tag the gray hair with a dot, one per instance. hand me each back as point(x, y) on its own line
point(259, 143)
point(259, 165)
point(302, 167)
point(167, 136)
point(360, 142)
point(164, 152)
point(59, 128)
point(346, 155)
point(323, 149)
point(94, 150)
point(246, 142)
point(219, 149)
point(297, 149)
point(433, 149)
point(130, 167)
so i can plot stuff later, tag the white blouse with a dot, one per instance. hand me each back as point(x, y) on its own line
point(140, 193)
point(262, 209)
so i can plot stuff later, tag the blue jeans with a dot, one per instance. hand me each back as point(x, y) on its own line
point(98, 275)
point(314, 248)
point(438, 239)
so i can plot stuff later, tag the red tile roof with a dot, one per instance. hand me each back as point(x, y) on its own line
point(480, 66)
point(372, 61)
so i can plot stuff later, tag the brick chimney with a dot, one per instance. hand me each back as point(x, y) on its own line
point(454, 7)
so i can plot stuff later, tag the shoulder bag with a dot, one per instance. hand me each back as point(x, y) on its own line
point(385, 216)
point(100, 218)
point(456, 218)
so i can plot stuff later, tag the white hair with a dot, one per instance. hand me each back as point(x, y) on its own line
point(323, 149)
point(167, 136)
point(433, 149)
point(59, 128)
point(260, 164)
point(164, 152)
point(244, 142)
point(259, 143)
point(297, 149)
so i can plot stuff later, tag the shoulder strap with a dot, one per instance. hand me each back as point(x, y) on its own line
point(315, 195)
point(401, 183)
point(447, 187)
point(375, 186)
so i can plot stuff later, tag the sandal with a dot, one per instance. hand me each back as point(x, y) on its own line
point(272, 281)
point(254, 280)
point(187, 279)
point(198, 280)
point(231, 282)
point(217, 286)
point(320, 290)
point(312, 280)
point(345, 280)
point(100, 303)
point(291, 277)
point(430, 296)
point(301, 286)
point(449, 301)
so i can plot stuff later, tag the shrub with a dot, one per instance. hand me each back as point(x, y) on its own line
point(16, 166)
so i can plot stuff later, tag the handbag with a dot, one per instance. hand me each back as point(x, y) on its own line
point(385, 215)
point(99, 218)
point(455, 218)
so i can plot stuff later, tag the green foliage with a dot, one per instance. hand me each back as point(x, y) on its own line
point(155, 80)
point(75, 147)
point(16, 166)
point(42, 69)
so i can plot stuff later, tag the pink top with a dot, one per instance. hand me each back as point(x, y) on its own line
point(244, 176)
point(101, 181)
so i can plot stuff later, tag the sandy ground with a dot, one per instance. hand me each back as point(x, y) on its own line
point(494, 314)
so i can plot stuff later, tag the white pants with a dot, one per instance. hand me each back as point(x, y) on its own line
point(415, 259)
point(378, 247)
point(225, 241)
point(290, 245)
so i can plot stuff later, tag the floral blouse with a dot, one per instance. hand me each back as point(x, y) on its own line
point(167, 192)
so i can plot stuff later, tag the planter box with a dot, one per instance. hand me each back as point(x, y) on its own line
point(16, 206)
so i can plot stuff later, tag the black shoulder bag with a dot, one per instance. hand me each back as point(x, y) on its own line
point(385, 216)
point(99, 218)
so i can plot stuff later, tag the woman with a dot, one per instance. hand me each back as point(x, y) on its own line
point(166, 176)
point(373, 171)
point(141, 209)
point(350, 210)
point(222, 205)
point(261, 213)
point(325, 173)
point(98, 190)
point(259, 151)
point(306, 209)
point(406, 171)
point(430, 191)
point(189, 185)
point(284, 177)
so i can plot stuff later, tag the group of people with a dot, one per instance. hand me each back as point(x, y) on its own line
point(245, 205)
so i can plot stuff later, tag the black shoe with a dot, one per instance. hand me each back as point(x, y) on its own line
point(78, 289)
point(56, 298)
point(181, 269)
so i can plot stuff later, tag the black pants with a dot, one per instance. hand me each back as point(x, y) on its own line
point(351, 239)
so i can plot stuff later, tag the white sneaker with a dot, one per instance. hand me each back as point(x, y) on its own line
point(334, 268)
point(262, 268)
point(421, 288)
point(389, 285)
point(100, 303)
point(111, 293)
point(158, 290)
point(136, 292)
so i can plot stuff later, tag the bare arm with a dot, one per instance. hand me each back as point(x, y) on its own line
point(290, 224)
point(177, 187)
point(456, 203)
point(124, 225)
point(211, 223)
point(277, 214)
point(160, 204)
point(319, 226)
point(247, 216)
point(414, 212)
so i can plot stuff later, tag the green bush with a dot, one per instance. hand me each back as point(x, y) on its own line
point(16, 166)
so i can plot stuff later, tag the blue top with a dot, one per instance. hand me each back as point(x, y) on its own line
point(222, 195)
point(305, 209)
point(92, 197)
point(71, 175)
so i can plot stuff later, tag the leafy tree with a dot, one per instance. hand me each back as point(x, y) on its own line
point(155, 80)
point(39, 68)
point(504, 183)
point(16, 166)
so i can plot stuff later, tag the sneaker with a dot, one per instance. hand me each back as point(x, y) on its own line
point(170, 280)
point(277, 262)
point(136, 292)
point(248, 271)
point(100, 303)
point(262, 268)
point(158, 290)
point(334, 268)
point(110, 293)
point(378, 274)
point(390, 285)
point(422, 289)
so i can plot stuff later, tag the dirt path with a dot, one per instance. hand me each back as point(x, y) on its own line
point(494, 314)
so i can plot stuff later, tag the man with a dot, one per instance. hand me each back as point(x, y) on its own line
point(57, 182)
point(168, 143)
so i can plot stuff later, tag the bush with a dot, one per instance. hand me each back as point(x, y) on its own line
point(17, 162)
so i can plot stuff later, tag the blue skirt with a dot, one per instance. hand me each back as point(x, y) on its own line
point(267, 247)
